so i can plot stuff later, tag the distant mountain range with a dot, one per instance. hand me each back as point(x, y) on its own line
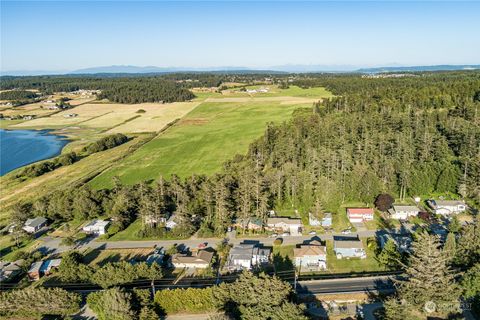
point(446, 67)
point(126, 69)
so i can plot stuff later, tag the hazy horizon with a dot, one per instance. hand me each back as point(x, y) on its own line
point(67, 36)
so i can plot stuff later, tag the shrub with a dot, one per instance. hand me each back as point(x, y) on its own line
point(277, 242)
point(186, 300)
point(35, 302)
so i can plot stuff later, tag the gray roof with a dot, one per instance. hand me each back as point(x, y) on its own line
point(448, 202)
point(35, 222)
point(348, 244)
point(242, 252)
point(35, 267)
point(399, 207)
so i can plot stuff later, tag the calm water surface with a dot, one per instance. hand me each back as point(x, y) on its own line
point(22, 147)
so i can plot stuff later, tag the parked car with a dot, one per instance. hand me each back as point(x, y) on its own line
point(312, 233)
point(274, 235)
point(202, 245)
point(346, 231)
point(285, 234)
point(229, 229)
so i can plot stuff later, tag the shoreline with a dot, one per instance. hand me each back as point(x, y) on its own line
point(62, 139)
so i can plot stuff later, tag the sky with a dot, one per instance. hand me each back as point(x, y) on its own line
point(70, 35)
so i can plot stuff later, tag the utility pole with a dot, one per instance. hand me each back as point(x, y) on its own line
point(153, 289)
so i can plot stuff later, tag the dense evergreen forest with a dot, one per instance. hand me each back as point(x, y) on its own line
point(121, 89)
point(407, 136)
point(17, 95)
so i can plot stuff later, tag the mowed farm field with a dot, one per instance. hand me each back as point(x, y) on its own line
point(205, 138)
point(114, 118)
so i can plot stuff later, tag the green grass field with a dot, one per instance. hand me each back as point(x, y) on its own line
point(200, 143)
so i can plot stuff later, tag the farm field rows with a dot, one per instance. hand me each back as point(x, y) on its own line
point(209, 135)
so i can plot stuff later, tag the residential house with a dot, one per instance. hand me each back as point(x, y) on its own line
point(325, 222)
point(156, 257)
point(155, 220)
point(42, 268)
point(246, 255)
point(403, 242)
point(254, 224)
point(171, 222)
point(359, 215)
point(34, 271)
point(447, 207)
point(403, 212)
point(349, 248)
point(96, 227)
point(49, 265)
point(311, 257)
point(35, 224)
point(8, 270)
point(261, 256)
point(294, 226)
point(198, 260)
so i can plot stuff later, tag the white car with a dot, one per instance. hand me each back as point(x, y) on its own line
point(312, 233)
point(274, 235)
point(346, 231)
point(286, 234)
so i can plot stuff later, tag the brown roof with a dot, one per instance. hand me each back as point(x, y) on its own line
point(202, 256)
point(309, 250)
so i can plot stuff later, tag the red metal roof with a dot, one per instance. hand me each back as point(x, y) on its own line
point(360, 211)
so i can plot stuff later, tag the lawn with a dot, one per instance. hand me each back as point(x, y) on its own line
point(283, 257)
point(335, 265)
point(200, 143)
point(100, 257)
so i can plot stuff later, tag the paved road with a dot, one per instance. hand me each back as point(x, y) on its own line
point(53, 245)
point(290, 240)
point(350, 285)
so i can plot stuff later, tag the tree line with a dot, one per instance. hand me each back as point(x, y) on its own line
point(40, 168)
point(121, 90)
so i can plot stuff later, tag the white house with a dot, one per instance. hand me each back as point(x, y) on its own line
point(97, 227)
point(246, 255)
point(171, 222)
point(311, 257)
point(402, 212)
point(294, 226)
point(326, 221)
point(447, 207)
point(358, 215)
point(35, 224)
point(349, 248)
